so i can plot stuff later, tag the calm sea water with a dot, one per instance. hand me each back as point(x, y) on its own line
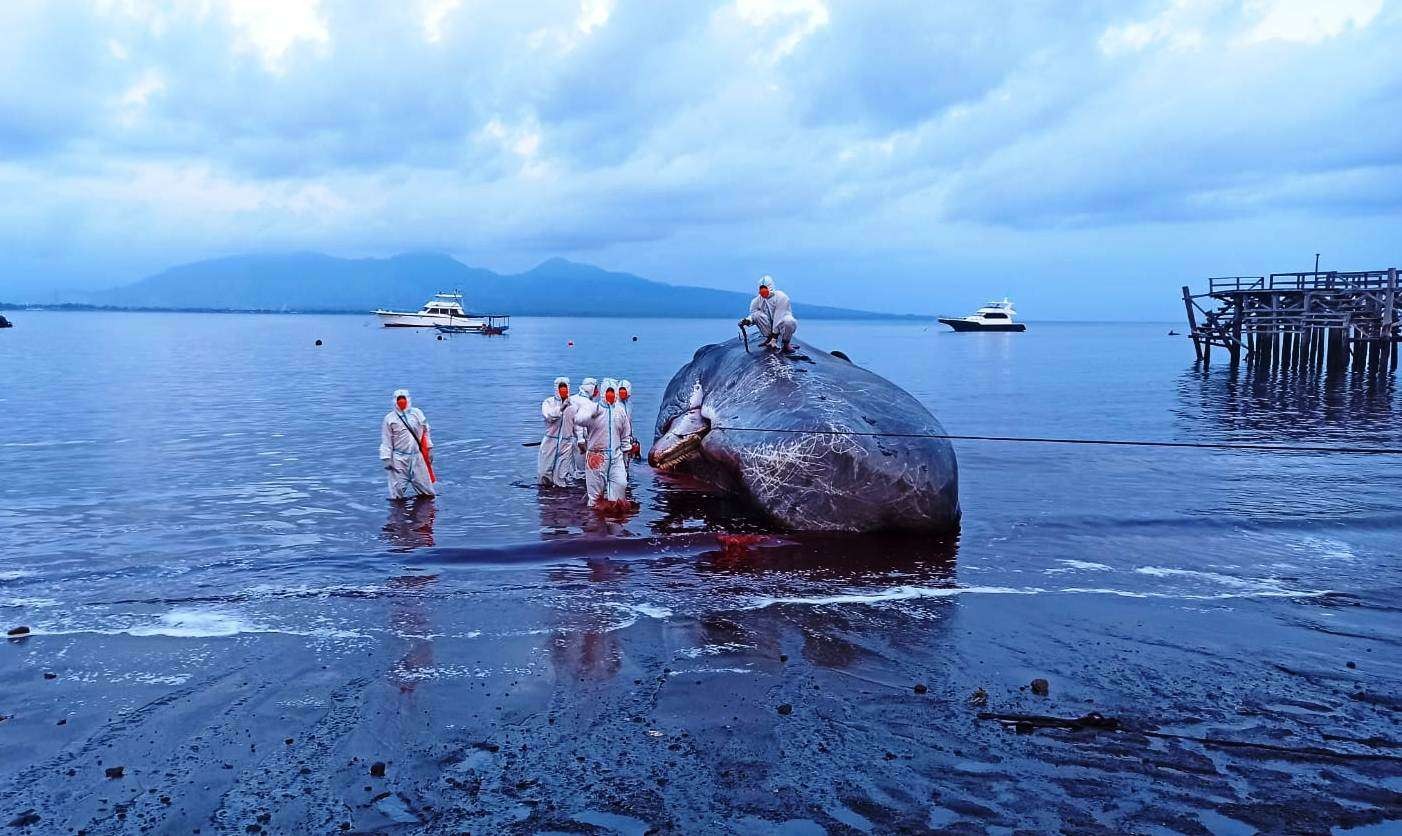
point(179, 487)
point(225, 449)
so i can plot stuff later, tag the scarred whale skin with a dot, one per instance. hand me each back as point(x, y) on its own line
point(806, 481)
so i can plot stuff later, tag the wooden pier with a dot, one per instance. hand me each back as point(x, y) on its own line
point(1330, 320)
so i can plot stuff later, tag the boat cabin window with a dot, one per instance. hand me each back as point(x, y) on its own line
point(991, 315)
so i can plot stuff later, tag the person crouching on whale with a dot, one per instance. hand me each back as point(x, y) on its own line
point(772, 313)
point(608, 433)
point(555, 462)
point(405, 449)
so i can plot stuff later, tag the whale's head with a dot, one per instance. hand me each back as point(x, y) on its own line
point(680, 439)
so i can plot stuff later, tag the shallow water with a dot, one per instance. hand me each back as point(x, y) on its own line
point(196, 534)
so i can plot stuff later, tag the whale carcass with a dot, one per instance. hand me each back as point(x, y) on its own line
point(814, 441)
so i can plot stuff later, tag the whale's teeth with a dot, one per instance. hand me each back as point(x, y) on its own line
point(677, 461)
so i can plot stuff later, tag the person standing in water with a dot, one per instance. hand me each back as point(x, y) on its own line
point(587, 393)
point(555, 464)
point(633, 449)
point(607, 430)
point(406, 449)
point(772, 313)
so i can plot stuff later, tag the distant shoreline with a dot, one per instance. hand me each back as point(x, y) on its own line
point(875, 317)
point(75, 307)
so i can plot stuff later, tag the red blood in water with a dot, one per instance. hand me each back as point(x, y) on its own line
point(613, 507)
point(737, 545)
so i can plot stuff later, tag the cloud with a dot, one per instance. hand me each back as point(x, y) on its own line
point(273, 27)
point(786, 24)
point(1302, 21)
point(728, 133)
point(1191, 117)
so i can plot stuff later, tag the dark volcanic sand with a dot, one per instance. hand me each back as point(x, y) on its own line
point(623, 693)
point(233, 615)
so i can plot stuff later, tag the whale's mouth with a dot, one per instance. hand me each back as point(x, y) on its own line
point(681, 441)
point(672, 450)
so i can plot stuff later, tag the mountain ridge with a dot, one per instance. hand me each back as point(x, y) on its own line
point(312, 281)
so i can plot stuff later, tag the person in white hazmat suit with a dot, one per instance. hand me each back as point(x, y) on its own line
point(555, 463)
point(587, 394)
point(772, 313)
point(632, 451)
point(607, 433)
point(401, 452)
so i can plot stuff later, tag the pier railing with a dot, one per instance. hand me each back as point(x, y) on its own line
point(1332, 280)
point(1220, 284)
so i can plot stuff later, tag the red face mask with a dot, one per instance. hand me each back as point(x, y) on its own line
point(764, 291)
point(564, 392)
point(402, 403)
point(609, 396)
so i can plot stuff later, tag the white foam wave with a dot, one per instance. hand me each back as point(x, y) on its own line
point(714, 650)
point(1252, 584)
point(160, 679)
point(195, 624)
point(899, 593)
point(28, 603)
point(633, 611)
point(405, 672)
point(1329, 548)
point(1193, 596)
point(202, 624)
point(310, 591)
point(651, 610)
point(907, 593)
point(1077, 566)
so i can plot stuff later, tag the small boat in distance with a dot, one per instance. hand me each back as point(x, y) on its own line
point(443, 309)
point(495, 325)
point(995, 316)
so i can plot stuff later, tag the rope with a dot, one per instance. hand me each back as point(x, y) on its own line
point(1197, 445)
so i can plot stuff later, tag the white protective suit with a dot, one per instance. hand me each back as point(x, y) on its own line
point(628, 408)
point(587, 393)
point(555, 464)
point(399, 450)
point(773, 316)
point(606, 428)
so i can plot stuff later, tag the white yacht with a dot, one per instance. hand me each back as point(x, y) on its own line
point(442, 309)
point(995, 316)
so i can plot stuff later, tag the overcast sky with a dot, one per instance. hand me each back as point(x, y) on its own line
point(1086, 158)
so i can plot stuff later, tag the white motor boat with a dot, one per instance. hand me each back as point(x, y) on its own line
point(995, 316)
point(443, 309)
